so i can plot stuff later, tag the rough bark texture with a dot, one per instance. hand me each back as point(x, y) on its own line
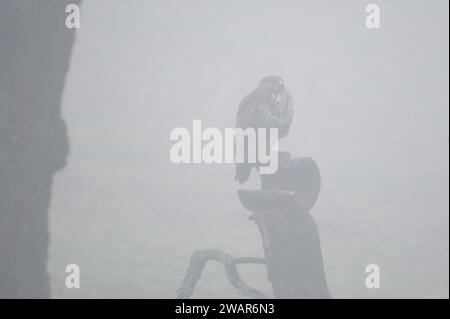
point(35, 49)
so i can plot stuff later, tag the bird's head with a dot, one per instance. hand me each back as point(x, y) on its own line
point(272, 82)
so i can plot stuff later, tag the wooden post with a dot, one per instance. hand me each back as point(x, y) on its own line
point(290, 235)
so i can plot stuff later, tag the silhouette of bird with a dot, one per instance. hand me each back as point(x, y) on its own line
point(267, 106)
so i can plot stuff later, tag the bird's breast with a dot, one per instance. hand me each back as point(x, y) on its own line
point(278, 108)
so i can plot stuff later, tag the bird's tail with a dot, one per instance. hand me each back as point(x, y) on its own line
point(242, 172)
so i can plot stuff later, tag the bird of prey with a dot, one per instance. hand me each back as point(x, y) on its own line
point(267, 106)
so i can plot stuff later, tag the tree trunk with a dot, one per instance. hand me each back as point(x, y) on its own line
point(34, 58)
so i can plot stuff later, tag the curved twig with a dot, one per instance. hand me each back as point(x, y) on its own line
point(198, 262)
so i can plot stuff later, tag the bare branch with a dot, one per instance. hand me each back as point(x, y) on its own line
point(198, 262)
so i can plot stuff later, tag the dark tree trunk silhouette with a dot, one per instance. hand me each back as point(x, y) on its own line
point(35, 48)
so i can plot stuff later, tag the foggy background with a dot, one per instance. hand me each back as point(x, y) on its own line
point(371, 107)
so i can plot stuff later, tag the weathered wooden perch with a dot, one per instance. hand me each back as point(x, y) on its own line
point(290, 235)
point(198, 263)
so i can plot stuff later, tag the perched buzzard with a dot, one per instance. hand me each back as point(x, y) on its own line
point(267, 106)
